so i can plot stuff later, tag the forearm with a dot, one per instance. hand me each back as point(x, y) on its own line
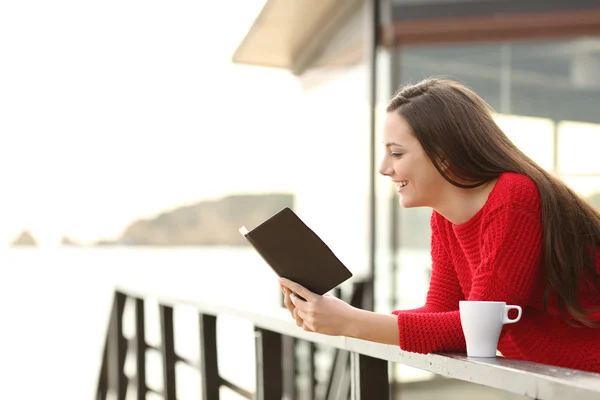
point(375, 327)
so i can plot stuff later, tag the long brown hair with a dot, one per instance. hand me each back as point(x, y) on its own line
point(455, 128)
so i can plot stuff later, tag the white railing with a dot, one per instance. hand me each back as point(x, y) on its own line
point(369, 360)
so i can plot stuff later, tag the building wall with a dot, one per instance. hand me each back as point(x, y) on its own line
point(335, 126)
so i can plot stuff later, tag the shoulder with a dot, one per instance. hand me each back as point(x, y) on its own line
point(436, 220)
point(439, 224)
point(514, 191)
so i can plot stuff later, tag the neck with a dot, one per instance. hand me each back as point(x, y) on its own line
point(460, 205)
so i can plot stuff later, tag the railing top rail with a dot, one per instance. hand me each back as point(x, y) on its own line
point(521, 377)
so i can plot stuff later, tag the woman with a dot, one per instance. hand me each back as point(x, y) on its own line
point(503, 229)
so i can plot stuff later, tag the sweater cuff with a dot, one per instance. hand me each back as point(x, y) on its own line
point(430, 332)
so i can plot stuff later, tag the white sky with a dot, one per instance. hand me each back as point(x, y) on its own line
point(114, 110)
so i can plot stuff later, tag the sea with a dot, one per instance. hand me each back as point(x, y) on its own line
point(55, 305)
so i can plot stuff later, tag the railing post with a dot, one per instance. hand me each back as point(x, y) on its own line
point(339, 383)
point(140, 351)
point(209, 367)
point(269, 372)
point(369, 378)
point(117, 349)
point(288, 353)
point(312, 371)
point(168, 352)
point(102, 388)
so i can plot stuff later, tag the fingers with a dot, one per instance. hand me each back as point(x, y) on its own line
point(297, 317)
point(290, 300)
point(287, 301)
point(299, 303)
point(305, 323)
point(296, 288)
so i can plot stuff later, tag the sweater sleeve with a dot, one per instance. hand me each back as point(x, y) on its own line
point(510, 253)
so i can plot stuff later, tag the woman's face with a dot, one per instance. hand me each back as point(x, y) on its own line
point(417, 180)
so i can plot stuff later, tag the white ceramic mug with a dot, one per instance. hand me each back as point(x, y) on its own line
point(482, 323)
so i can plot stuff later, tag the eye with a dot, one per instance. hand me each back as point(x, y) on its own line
point(397, 155)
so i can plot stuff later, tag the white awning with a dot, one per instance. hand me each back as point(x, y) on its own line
point(291, 34)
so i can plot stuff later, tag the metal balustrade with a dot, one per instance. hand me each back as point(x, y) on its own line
point(362, 371)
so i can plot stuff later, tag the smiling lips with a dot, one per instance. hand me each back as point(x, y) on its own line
point(401, 184)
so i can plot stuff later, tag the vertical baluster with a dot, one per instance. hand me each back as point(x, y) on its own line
point(312, 371)
point(269, 373)
point(117, 349)
point(168, 352)
point(369, 378)
point(288, 353)
point(140, 344)
point(102, 388)
point(209, 367)
point(339, 379)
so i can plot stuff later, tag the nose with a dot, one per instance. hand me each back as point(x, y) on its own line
point(386, 167)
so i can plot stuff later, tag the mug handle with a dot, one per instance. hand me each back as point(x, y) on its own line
point(507, 320)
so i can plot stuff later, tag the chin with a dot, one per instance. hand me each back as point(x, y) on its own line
point(409, 203)
point(405, 203)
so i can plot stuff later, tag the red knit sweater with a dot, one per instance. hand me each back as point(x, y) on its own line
point(495, 256)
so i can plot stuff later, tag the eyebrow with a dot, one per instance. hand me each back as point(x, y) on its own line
point(388, 144)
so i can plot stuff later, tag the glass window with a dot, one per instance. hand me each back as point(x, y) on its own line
point(534, 136)
point(579, 147)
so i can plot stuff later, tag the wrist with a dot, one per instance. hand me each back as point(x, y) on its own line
point(376, 327)
point(354, 323)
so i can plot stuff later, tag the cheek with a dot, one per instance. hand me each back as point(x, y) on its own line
point(426, 179)
point(432, 183)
